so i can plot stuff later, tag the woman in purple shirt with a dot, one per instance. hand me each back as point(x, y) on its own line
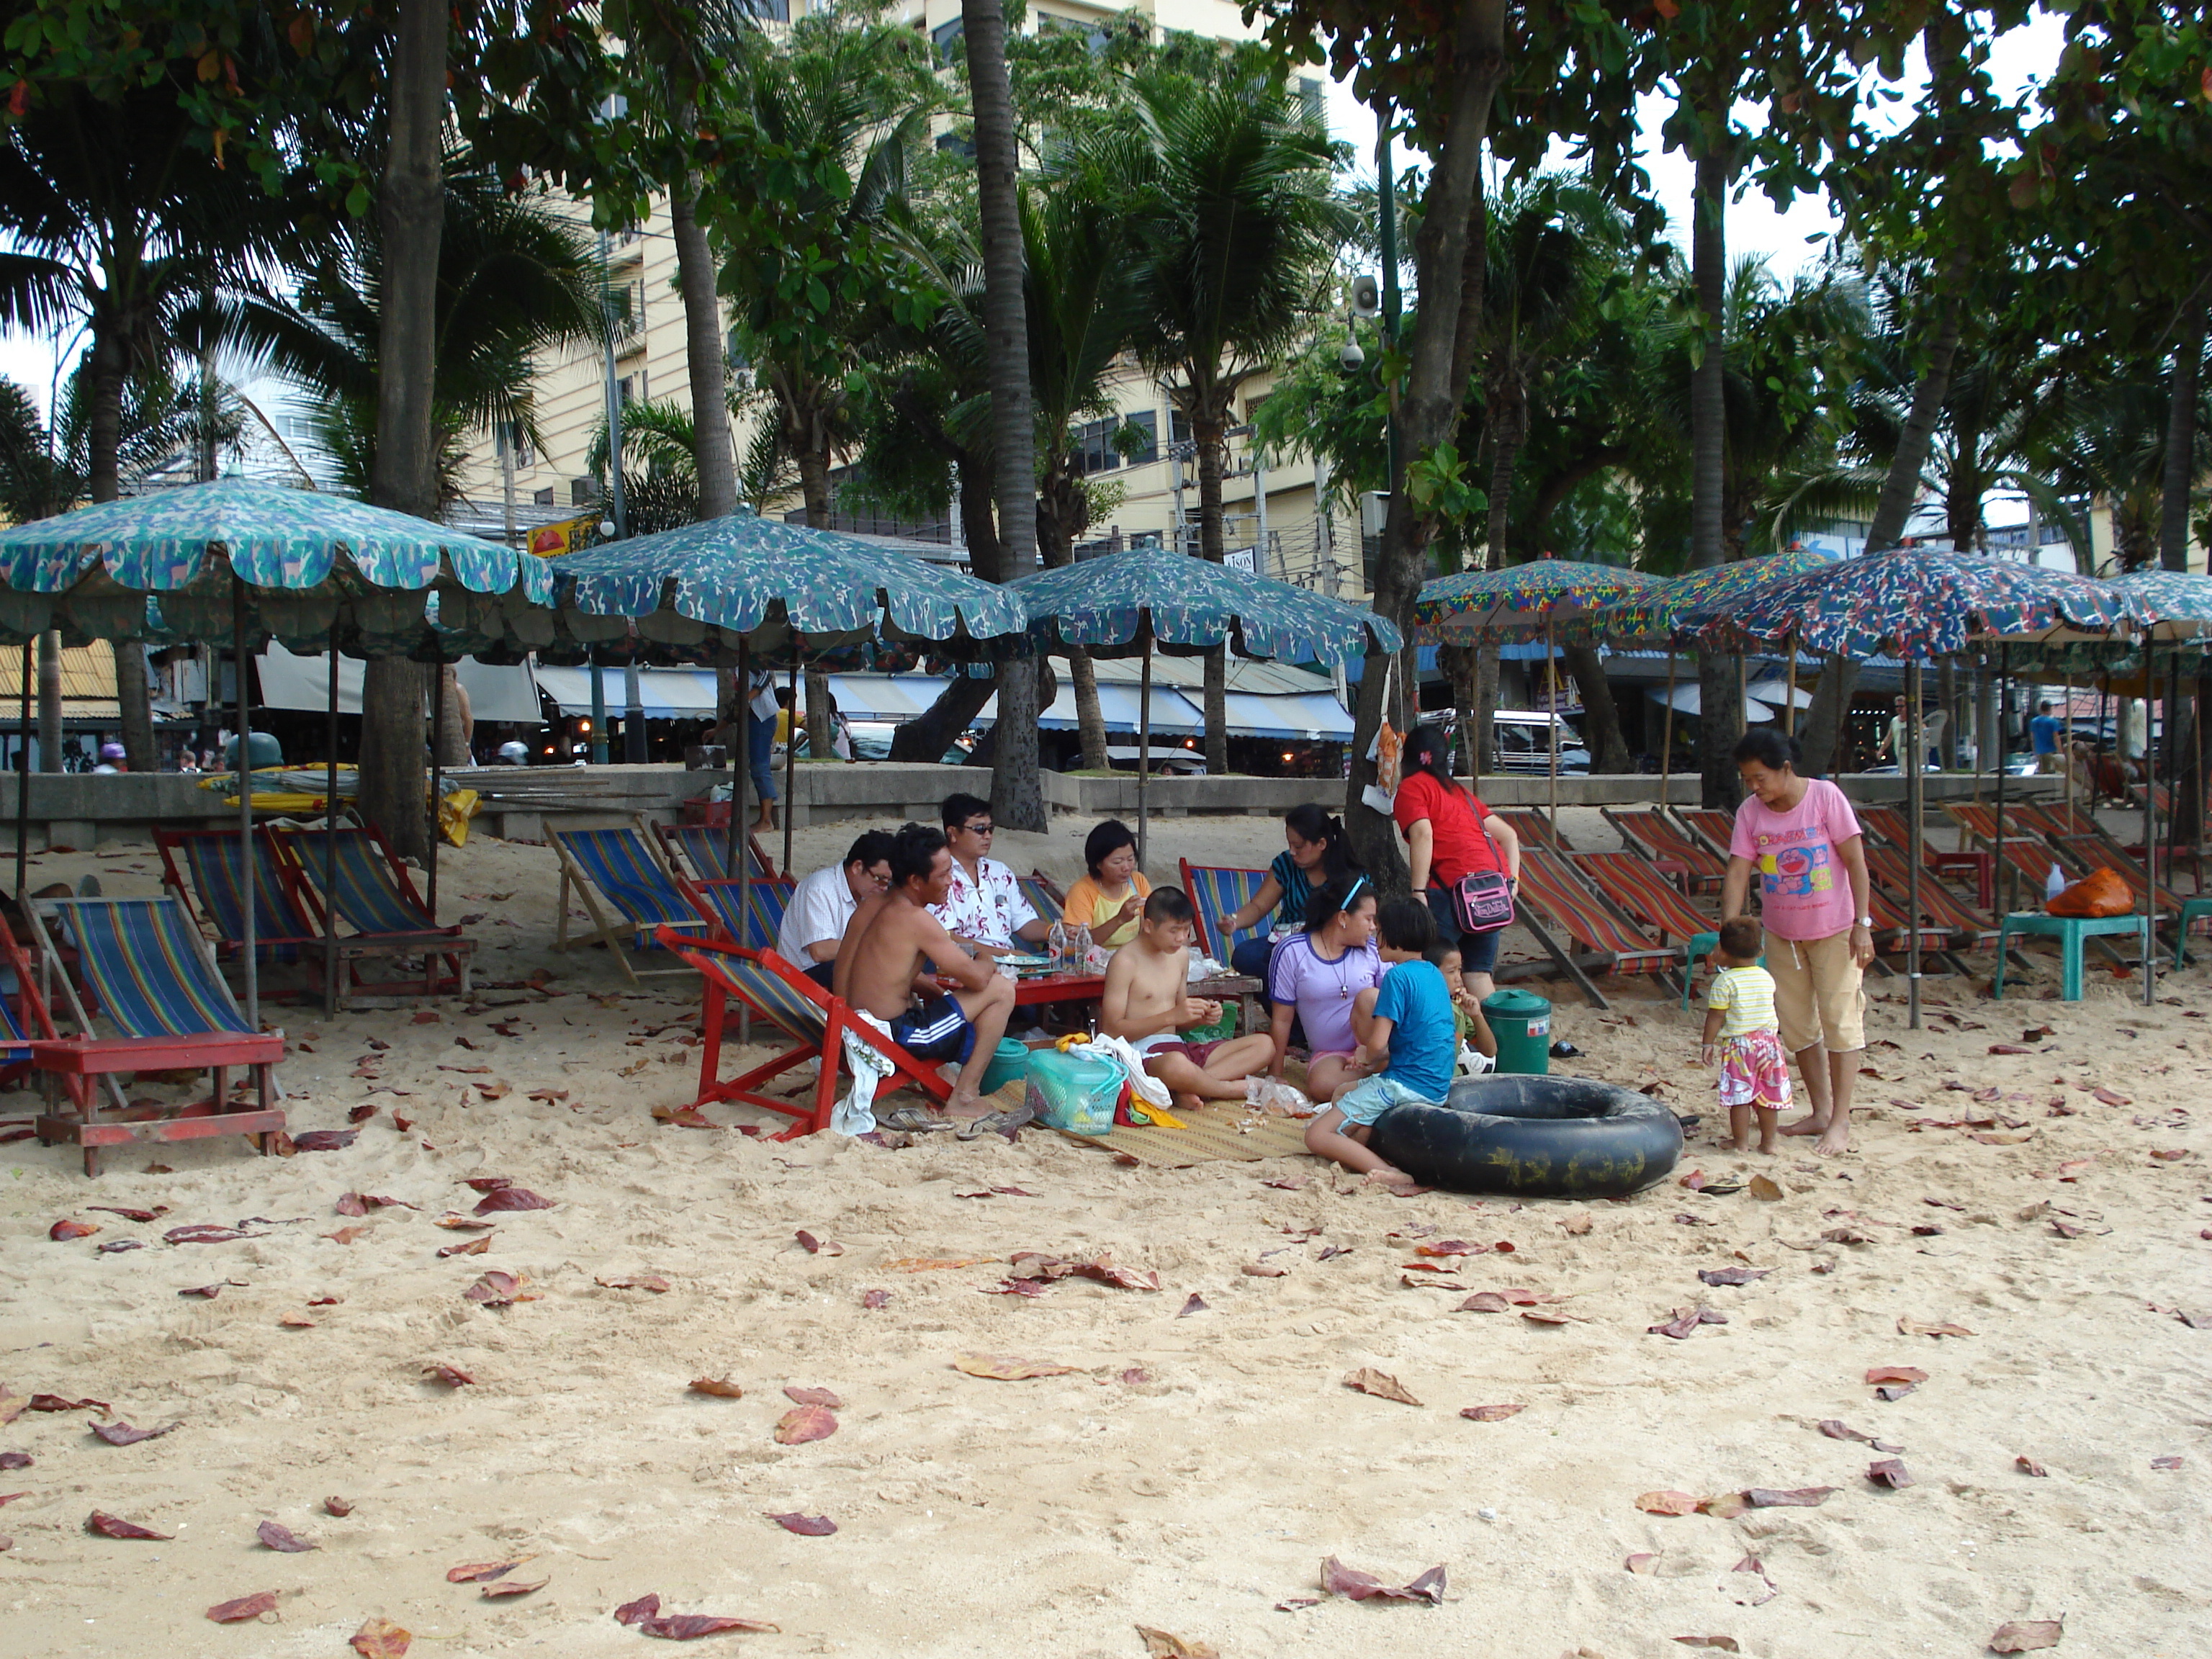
point(1800, 836)
point(1315, 975)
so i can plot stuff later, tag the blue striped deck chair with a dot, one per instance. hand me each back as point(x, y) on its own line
point(216, 877)
point(1218, 893)
point(772, 990)
point(1046, 900)
point(619, 865)
point(704, 850)
point(765, 902)
point(148, 973)
point(373, 895)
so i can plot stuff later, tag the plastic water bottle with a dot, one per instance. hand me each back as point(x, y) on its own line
point(1082, 943)
point(2053, 884)
point(1056, 943)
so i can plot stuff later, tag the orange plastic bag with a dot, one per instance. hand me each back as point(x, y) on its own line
point(2099, 893)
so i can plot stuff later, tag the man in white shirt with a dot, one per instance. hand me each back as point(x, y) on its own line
point(985, 908)
point(822, 902)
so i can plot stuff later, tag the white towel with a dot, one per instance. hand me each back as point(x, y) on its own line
point(856, 1114)
point(1142, 1084)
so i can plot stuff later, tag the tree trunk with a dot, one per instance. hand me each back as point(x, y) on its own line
point(452, 734)
point(410, 212)
point(1016, 792)
point(104, 482)
point(1719, 724)
point(2181, 442)
point(1062, 513)
point(50, 701)
point(1484, 694)
point(927, 737)
point(1823, 723)
point(1449, 276)
point(814, 488)
point(1601, 720)
point(1209, 436)
point(712, 455)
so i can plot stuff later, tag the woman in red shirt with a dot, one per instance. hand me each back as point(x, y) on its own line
point(1450, 834)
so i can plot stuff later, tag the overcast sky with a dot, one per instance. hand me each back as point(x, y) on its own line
point(1790, 240)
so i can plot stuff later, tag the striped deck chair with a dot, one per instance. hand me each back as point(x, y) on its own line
point(374, 896)
point(1636, 885)
point(148, 970)
point(2084, 853)
point(1216, 893)
point(1044, 897)
point(24, 1015)
point(765, 902)
point(1534, 829)
point(618, 865)
point(1709, 827)
point(214, 873)
point(1890, 875)
point(2028, 858)
point(771, 989)
point(1607, 936)
point(1889, 826)
point(703, 852)
point(1658, 837)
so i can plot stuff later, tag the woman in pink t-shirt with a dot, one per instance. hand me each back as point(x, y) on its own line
point(1800, 836)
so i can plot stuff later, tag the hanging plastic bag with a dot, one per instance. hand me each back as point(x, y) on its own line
point(1387, 752)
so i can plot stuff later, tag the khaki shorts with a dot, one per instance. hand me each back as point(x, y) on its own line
point(1817, 993)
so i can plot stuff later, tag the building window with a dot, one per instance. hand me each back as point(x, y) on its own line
point(544, 497)
point(1309, 96)
point(951, 143)
point(1178, 427)
point(769, 11)
point(583, 492)
point(1092, 448)
point(1140, 441)
point(942, 37)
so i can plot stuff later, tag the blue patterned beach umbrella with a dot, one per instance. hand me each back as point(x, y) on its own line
point(1522, 598)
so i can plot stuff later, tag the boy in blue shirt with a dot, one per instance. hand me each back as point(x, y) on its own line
point(1404, 1026)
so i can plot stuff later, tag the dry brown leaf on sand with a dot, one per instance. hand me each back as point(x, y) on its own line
point(380, 1639)
point(1718, 1643)
point(245, 1608)
point(1768, 1191)
point(2026, 1635)
point(803, 1424)
point(1895, 1374)
point(1909, 1326)
point(483, 1572)
point(1336, 1579)
point(1381, 1385)
point(1159, 1644)
point(1667, 1503)
point(1008, 1368)
point(1640, 1562)
point(507, 1587)
point(719, 1387)
point(1490, 1414)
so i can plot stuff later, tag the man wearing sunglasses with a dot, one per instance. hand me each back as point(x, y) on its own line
point(823, 904)
point(984, 908)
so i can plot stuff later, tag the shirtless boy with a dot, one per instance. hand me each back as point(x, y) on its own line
point(885, 946)
point(1147, 1001)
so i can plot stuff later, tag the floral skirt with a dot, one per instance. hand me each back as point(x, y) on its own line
point(1755, 1072)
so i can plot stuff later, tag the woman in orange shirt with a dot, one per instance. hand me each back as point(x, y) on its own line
point(1108, 899)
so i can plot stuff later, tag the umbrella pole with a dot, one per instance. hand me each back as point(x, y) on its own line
point(23, 783)
point(1666, 729)
point(330, 838)
point(437, 779)
point(245, 803)
point(1981, 737)
point(1144, 740)
point(1912, 782)
point(790, 746)
point(2004, 737)
point(740, 763)
point(1789, 704)
point(1551, 672)
point(2066, 758)
point(2150, 818)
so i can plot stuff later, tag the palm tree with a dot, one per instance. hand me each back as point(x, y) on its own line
point(2102, 436)
point(1227, 189)
point(120, 221)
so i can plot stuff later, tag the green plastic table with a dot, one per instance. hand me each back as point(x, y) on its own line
point(2069, 931)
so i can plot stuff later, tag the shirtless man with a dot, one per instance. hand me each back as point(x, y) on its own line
point(883, 949)
point(1147, 1002)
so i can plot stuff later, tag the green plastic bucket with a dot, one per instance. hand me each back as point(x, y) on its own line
point(1522, 1022)
point(1009, 1064)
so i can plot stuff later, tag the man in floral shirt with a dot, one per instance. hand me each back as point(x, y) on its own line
point(985, 909)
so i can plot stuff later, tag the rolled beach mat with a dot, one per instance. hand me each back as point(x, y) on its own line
point(1533, 1137)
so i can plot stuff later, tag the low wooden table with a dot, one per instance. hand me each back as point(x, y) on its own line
point(1240, 988)
point(62, 1058)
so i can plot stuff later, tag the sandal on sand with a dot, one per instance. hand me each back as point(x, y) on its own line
point(997, 1122)
point(912, 1120)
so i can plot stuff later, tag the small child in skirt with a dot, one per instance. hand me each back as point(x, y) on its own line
point(1740, 1032)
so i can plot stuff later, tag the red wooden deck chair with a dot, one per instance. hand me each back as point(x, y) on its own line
point(23, 1015)
point(1216, 893)
point(1609, 938)
point(1659, 838)
point(773, 990)
point(205, 865)
point(1889, 877)
point(1888, 826)
point(153, 978)
point(1534, 829)
point(765, 902)
point(375, 895)
point(1638, 886)
point(2028, 859)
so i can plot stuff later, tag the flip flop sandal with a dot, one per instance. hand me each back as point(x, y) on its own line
point(913, 1120)
point(997, 1122)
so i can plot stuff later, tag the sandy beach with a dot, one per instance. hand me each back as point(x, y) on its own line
point(1194, 1464)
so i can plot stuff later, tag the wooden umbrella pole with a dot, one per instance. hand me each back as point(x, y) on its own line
point(1789, 709)
point(23, 782)
point(245, 775)
point(2004, 737)
point(1981, 737)
point(1666, 728)
point(1144, 737)
point(740, 763)
point(331, 836)
point(1551, 679)
point(2150, 818)
point(1912, 784)
point(2066, 757)
point(437, 781)
point(791, 745)
point(2174, 760)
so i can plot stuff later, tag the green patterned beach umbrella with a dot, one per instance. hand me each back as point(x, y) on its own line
point(1664, 615)
point(1522, 597)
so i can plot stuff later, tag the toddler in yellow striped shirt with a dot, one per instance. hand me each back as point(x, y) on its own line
point(1740, 1034)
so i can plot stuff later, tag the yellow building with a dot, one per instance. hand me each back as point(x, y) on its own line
point(1271, 525)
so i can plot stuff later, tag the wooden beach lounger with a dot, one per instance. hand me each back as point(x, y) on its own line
point(771, 989)
point(1659, 838)
point(1609, 938)
point(618, 866)
point(1636, 885)
point(375, 895)
point(152, 977)
point(703, 852)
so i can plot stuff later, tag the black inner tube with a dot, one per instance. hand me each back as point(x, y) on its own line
point(1534, 1137)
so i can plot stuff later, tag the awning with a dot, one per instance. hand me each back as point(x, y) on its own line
point(1314, 717)
point(1686, 701)
point(496, 693)
point(665, 694)
point(1172, 714)
point(883, 696)
point(1777, 690)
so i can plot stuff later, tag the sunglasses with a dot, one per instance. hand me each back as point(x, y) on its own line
point(981, 829)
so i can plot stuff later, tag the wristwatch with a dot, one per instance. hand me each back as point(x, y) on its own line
point(1865, 923)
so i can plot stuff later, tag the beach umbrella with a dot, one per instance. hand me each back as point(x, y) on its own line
point(255, 561)
point(1919, 604)
point(1126, 604)
point(2182, 602)
point(1522, 598)
point(725, 589)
